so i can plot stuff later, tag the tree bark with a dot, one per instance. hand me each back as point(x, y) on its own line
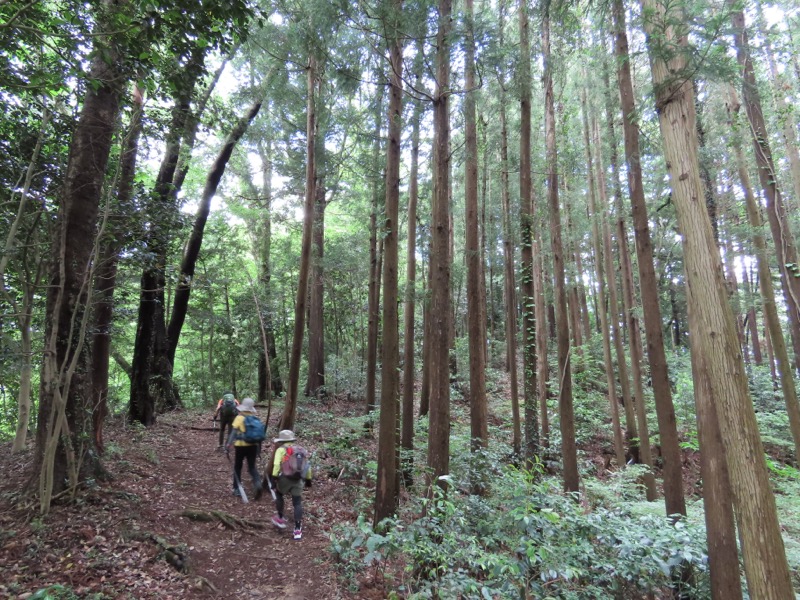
point(648, 284)
point(290, 402)
point(407, 432)
point(785, 246)
point(565, 409)
point(388, 482)
point(476, 293)
point(375, 271)
point(595, 216)
point(106, 275)
point(769, 306)
point(765, 563)
point(527, 299)
point(440, 308)
point(191, 252)
point(65, 387)
point(508, 261)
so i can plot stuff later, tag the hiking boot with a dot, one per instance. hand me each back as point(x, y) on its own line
point(259, 491)
point(279, 522)
point(298, 533)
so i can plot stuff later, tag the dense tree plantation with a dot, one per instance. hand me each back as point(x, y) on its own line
point(527, 270)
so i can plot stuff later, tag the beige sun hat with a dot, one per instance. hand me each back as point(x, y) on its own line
point(248, 405)
point(287, 435)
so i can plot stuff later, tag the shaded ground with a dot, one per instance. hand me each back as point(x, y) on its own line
point(120, 537)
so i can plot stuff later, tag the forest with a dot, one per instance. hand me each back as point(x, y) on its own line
point(524, 276)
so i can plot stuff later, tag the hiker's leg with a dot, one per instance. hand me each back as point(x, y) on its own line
point(252, 451)
point(237, 465)
point(297, 503)
point(222, 423)
point(279, 506)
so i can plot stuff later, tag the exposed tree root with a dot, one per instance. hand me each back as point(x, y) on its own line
point(228, 520)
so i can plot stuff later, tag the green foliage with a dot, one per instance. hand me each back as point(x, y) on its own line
point(527, 538)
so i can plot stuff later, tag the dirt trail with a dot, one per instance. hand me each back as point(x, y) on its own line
point(158, 474)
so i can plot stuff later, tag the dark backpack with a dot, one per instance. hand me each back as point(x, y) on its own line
point(254, 430)
point(228, 408)
point(295, 463)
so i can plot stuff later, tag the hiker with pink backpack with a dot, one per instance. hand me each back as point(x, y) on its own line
point(290, 472)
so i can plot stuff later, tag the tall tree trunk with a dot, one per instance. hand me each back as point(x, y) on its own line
point(785, 112)
point(152, 389)
point(407, 431)
point(388, 482)
point(785, 246)
point(527, 300)
point(290, 402)
point(375, 271)
point(106, 275)
point(316, 324)
point(648, 284)
point(192, 250)
point(65, 393)
point(508, 261)
point(626, 275)
point(440, 309)
point(714, 327)
point(542, 365)
point(476, 293)
point(565, 410)
point(769, 306)
point(595, 216)
point(264, 251)
point(751, 320)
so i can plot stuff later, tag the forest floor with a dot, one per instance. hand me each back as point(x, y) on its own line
point(116, 539)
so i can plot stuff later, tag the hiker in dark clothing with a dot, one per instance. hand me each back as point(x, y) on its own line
point(244, 450)
point(227, 409)
point(287, 485)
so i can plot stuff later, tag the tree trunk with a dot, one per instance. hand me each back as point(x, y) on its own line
point(440, 309)
point(508, 262)
point(106, 275)
point(290, 402)
point(769, 306)
point(316, 324)
point(628, 300)
point(388, 483)
point(64, 398)
point(152, 389)
point(595, 216)
point(476, 293)
point(565, 410)
point(407, 432)
point(785, 246)
point(192, 250)
point(648, 284)
point(715, 329)
point(527, 300)
point(263, 251)
point(375, 271)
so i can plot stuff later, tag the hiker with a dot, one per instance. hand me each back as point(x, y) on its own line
point(292, 483)
point(245, 449)
point(226, 413)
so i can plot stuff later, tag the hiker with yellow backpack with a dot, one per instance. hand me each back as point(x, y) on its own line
point(247, 433)
point(290, 472)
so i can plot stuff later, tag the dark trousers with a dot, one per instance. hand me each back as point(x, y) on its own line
point(250, 453)
point(297, 504)
point(225, 423)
